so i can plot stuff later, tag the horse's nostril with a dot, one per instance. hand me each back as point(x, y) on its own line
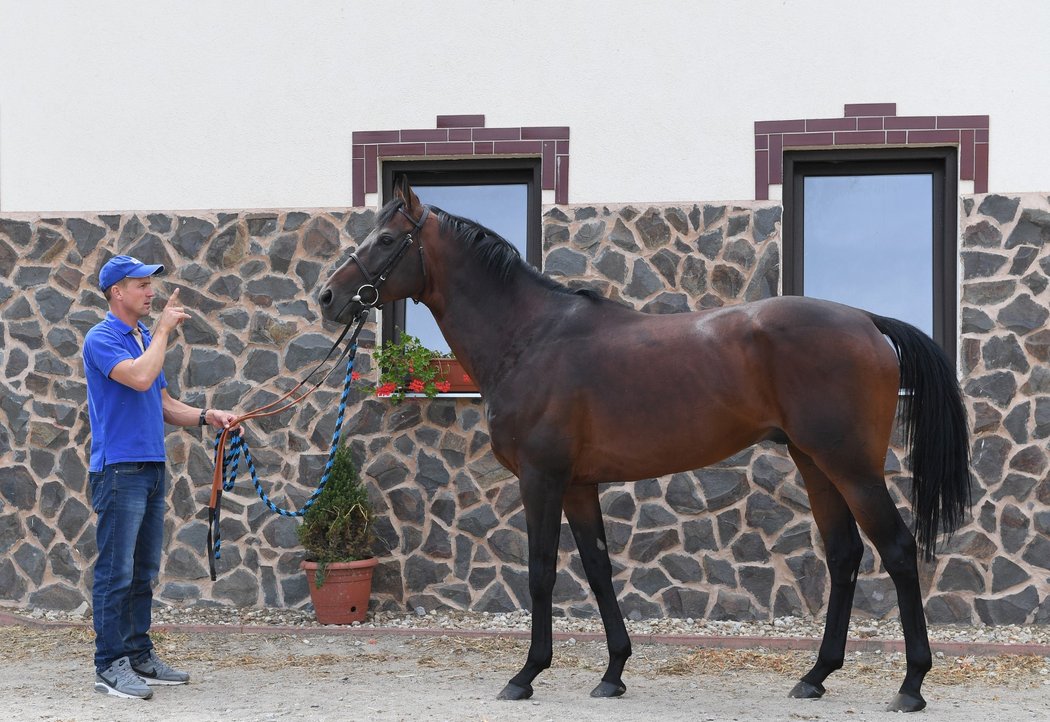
point(326, 297)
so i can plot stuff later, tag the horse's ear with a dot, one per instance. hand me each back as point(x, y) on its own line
point(403, 191)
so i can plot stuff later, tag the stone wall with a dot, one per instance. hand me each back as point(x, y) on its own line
point(1003, 558)
point(732, 541)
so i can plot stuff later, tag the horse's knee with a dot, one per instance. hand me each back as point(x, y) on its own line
point(844, 563)
point(542, 580)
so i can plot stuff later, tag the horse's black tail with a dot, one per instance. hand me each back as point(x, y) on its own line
point(935, 430)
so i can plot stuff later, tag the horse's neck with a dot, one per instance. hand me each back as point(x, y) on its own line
point(483, 318)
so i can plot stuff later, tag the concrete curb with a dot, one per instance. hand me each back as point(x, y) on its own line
point(688, 640)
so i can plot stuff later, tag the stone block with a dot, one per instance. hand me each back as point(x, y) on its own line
point(647, 546)
point(685, 569)
point(12, 585)
point(787, 603)
point(750, 548)
point(685, 603)
point(61, 597)
point(734, 606)
point(948, 609)
point(961, 575)
point(1010, 609)
point(758, 580)
point(699, 535)
point(811, 577)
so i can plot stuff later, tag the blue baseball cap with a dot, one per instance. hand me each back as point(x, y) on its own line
point(120, 267)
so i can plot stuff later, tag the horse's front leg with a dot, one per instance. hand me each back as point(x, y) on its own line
point(584, 513)
point(541, 495)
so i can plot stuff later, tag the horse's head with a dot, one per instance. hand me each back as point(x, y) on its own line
point(387, 267)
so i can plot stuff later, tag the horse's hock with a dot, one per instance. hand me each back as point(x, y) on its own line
point(732, 541)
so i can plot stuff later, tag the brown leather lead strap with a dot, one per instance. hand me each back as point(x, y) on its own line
point(262, 412)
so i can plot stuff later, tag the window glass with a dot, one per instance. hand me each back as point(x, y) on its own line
point(503, 208)
point(869, 243)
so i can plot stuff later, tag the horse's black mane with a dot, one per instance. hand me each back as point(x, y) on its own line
point(495, 252)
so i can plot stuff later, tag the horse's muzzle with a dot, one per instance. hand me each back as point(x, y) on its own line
point(336, 308)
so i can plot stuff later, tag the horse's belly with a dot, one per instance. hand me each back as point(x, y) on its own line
point(648, 453)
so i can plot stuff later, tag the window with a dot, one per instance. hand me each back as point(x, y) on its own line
point(875, 229)
point(500, 194)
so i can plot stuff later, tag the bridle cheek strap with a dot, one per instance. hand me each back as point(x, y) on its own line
point(368, 293)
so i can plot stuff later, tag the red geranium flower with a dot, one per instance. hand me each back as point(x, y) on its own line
point(355, 375)
point(416, 386)
point(386, 389)
point(443, 386)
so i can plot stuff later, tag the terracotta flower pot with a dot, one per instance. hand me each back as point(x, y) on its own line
point(343, 597)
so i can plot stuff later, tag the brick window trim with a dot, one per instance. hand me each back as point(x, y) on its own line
point(871, 125)
point(461, 136)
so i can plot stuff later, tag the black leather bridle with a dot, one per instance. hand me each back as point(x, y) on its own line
point(374, 281)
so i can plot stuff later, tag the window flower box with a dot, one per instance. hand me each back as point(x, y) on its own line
point(407, 367)
point(451, 372)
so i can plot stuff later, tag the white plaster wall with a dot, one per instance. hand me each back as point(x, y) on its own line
point(131, 105)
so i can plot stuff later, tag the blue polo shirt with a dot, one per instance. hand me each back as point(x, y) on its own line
point(126, 425)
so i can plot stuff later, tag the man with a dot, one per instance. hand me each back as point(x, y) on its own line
point(128, 404)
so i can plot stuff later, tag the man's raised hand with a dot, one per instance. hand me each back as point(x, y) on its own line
point(173, 314)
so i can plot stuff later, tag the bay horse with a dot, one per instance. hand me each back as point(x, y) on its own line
point(581, 390)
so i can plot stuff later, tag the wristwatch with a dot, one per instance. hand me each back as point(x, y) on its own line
point(203, 421)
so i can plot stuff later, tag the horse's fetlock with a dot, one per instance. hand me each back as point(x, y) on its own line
point(835, 664)
point(921, 665)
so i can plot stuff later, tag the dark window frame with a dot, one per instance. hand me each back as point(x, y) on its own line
point(941, 162)
point(469, 171)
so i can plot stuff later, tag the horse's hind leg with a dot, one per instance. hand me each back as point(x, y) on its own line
point(584, 513)
point(882, 523)
point(843, 550)
point(870, 501)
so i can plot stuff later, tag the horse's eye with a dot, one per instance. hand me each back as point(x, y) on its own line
point(386, 240)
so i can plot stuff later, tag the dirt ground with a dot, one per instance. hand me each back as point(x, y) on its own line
point(46, 674)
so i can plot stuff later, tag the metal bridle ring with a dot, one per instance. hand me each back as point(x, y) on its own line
point(358, 297)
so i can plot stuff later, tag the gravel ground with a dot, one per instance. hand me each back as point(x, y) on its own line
point(784, 627)
point(279, 664)
point(295, 670)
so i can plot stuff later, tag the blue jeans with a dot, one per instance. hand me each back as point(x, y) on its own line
point(129, 499)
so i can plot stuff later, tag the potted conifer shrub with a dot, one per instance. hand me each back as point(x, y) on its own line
point(338, 535)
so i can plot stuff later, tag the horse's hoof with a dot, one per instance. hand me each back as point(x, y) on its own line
point(513, 692)
point(905, 702)
point(608, 689)
point(805, 690)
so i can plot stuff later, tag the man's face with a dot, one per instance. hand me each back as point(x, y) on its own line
point(135, 295)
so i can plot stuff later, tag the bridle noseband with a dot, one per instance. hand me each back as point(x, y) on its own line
point(373, 282)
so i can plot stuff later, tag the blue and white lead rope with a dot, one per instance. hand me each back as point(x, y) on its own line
point(238, 445)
